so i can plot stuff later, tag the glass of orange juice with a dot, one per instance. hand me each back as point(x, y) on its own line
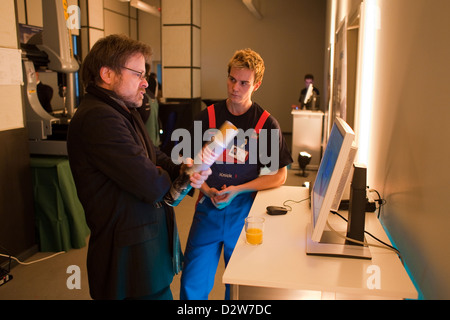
point(254, 227)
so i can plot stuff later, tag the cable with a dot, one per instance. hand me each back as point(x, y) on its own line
point(295, 201)
point(380, 201)
point(31, 262)
point(365, 243)
point(367, 232)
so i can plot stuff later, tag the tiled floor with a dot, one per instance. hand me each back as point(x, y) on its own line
point(47, 280)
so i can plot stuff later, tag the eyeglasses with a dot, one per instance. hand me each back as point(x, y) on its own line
point(140, 74)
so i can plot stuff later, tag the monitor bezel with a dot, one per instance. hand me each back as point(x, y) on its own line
point(338, 173)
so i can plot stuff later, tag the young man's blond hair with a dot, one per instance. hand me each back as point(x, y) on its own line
point(247, 58)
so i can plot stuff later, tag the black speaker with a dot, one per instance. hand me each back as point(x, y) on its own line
point(357, 206)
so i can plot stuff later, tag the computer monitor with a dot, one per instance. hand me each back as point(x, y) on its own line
point(334, 173)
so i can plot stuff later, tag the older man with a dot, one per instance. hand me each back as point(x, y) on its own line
point(121, 178)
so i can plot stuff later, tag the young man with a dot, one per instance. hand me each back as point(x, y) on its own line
point(226, 197)
point(121, 178)
point(309, 79)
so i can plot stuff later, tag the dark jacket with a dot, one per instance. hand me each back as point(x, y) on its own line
point(121, 180)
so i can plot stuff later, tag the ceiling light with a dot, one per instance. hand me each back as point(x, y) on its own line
point(250, 6)
point(141, 5)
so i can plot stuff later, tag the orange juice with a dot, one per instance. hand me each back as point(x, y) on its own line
point(254, 236)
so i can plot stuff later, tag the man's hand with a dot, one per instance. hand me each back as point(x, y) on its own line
point(197, 178)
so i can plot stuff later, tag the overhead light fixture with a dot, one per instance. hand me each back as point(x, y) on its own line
point(250, 6)
point(141, 5)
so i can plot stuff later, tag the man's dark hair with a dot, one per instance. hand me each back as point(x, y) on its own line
point(112, 51)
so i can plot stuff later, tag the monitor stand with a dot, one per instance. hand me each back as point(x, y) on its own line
point(334, 246)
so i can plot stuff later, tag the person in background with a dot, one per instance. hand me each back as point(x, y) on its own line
point(227, 196)
point(121, 178)
point(310, 105)
point(150, 108)
point(154, 86)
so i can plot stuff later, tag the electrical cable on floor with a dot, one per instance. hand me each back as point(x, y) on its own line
point(31, 262)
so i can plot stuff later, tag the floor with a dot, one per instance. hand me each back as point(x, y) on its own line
point(49, 279)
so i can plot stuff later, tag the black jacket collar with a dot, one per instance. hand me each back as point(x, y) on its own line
point(110, 98)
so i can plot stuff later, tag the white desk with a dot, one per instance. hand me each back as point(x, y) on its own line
point(280, 268)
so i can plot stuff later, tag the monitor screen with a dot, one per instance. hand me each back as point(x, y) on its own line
point(326, 170)
point(333, 174)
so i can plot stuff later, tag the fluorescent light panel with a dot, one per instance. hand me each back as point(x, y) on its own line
point(141, 5)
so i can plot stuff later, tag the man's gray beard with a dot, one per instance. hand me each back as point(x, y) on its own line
point(129, 104)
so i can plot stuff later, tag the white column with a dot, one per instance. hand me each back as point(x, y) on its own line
point(180, 38)
point(92, 24)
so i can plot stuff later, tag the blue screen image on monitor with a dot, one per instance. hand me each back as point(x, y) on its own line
point(326, 170)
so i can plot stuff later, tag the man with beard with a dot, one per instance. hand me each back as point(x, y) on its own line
point(121, 178)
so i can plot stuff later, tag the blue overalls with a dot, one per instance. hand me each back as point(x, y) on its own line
point(213, 229)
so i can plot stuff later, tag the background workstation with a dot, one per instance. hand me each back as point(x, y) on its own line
point(400, 115)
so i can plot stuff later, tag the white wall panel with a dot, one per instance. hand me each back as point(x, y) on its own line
point(180, 83)
point(116, 23)
point(176, 43)
point(96, 14)
point(181, 41)
point(176, 12)
point(11, 112)
point(8, 32)
point(196, 47)
point(196, 83)
point(115, 5)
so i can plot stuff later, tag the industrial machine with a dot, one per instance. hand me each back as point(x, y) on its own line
point(50, 49)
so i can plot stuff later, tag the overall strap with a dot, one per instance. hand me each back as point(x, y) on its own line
point(212, 117)
point(261, 121)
